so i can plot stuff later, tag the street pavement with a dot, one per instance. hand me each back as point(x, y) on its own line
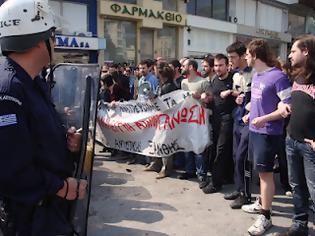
point(127, 201)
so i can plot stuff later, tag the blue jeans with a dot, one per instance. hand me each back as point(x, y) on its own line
point(240, 154)
point(179, 160)
point(193, 160)
point(301, 167)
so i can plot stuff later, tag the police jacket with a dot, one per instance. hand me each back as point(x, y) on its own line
point(34, 159)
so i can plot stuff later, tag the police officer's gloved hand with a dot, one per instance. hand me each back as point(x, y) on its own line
point(71, 190)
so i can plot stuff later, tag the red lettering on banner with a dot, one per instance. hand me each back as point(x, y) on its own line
point(184, 115)
point(176, 119)
point(140, 125)
point(202, 116)
point(191, 120)
point(128, 127)
point(194, 114)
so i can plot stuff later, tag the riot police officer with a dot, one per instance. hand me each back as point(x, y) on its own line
point(35, 165)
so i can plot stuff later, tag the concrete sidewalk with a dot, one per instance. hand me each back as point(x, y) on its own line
point(126, 201)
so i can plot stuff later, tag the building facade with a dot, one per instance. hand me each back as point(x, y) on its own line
point(213, 25)
point(208, 29)
point(76, 39)
point(301, 18)
point(141, 29)
point(76, 36)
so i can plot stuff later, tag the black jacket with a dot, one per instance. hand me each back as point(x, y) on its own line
point(167, 87)
point(34, 159)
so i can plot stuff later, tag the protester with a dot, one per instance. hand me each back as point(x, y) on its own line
point(300, 142)
point(145, 68)
point(178, 77)
point(208, 67)
point(200, 89)
point(223, 105)
point(269, 87)
point(116, 93)
point(128, 72)
point(166, 76)
point(241, 91)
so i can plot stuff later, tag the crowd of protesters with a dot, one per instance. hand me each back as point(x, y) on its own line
point(262, 119)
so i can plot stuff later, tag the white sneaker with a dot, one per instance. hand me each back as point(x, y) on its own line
point(261, 225)
point(253, 208)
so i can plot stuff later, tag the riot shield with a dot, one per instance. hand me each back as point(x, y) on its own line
point(74, 93)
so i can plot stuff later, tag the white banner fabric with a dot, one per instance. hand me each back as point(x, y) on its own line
point(172, 123)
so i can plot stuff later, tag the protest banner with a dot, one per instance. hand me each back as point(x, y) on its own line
point(172, 123)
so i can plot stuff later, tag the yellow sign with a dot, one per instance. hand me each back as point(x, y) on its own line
point(150, 13)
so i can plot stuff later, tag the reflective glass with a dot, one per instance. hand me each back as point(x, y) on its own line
point(191, 7)
point(219, 9)
point(120, 41)
point(166, 43)
point(203, 8)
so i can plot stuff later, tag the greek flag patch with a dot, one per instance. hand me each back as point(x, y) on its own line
point(7, 120)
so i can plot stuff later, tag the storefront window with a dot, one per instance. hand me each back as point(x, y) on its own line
point(203, 8)
point(146, 42)
point(74, 15)
point(191, 7)
point(166, 43)
point(310, 25)
point(219, 9)
point(120, 41)
point(296, 25)
point(126, 1)
point(169, 5)
point(208, 8)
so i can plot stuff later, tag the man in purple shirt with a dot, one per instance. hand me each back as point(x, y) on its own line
point(269, 87)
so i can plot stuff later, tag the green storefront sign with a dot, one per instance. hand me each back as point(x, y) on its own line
point(147, 13)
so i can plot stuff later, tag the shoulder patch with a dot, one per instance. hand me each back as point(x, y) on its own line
point(6, 120)
point(11, 99)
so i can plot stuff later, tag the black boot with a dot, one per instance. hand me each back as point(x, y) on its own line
point(239, 201)
point(232, 196)
point(294, 232)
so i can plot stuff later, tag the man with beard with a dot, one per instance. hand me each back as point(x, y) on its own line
point(147, 77)
point(207, 67)
point(222, 121)
point(200, 89)
point(300, 142)
point(178, 77)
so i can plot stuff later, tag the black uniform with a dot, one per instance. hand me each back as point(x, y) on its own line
point(34, 159)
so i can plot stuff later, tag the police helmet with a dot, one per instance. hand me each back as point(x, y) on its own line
point(24, 23)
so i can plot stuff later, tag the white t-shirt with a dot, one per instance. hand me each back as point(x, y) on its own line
point(199, 85)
